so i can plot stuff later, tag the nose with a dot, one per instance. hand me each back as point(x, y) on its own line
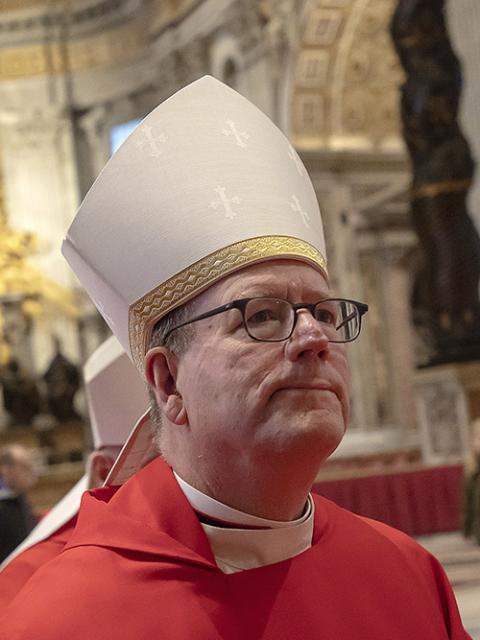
point(308, 338)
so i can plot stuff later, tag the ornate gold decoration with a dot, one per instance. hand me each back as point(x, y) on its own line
point(110, 47)
point(39, 296)
point(439, 188)
point(166, 12)
point(16, 5)
point(370, 99)
point(113, 46)
point(202, 274)
point(348, 74)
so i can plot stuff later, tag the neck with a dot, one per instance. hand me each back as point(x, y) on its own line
point(274, 494)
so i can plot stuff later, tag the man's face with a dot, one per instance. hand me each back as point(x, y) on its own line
point(257, 399)
point(20, 476)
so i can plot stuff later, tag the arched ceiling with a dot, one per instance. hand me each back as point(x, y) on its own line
point(47, 37)
point(347, 77)
point(15, 5)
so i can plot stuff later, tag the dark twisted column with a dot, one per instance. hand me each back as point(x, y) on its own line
point(446, 305)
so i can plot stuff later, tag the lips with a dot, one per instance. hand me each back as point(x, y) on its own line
point(291, 386)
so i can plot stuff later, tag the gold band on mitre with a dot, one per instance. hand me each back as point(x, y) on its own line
point(186, 284)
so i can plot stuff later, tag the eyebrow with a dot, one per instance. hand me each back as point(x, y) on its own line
point(270, 291)
point(259, 291)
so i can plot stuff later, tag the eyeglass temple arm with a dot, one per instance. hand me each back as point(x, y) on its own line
point(362, 310)
point(207, 314)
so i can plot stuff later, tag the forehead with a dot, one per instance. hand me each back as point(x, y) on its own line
point(281, 278)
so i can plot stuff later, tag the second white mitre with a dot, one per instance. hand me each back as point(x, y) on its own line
point(117, 401)
point(117, 396)
point(204, 186)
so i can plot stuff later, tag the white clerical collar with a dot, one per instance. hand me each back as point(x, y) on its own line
point(237, 549)
point(215, 509)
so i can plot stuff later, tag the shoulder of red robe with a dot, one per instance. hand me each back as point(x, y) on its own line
point(113, 518)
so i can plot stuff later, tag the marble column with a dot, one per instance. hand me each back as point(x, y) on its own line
point(94, 125)
point(41, 196)
point(396, 284)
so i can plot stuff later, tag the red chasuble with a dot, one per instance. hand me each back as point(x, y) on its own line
point(139, 566)
point(21, 568)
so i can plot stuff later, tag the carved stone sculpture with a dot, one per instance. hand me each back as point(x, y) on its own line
point(446, 306)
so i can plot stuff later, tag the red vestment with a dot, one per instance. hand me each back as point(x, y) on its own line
point(21, 568)
point(139, 566)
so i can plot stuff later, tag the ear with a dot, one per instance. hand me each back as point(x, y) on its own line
point(161, 373)
point(99, 467)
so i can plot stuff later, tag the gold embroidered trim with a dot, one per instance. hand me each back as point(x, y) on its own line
point(191, 281)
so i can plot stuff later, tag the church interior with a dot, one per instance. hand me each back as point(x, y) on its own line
point(382, 108)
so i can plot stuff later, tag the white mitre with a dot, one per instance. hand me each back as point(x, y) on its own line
point(204, 186)
point(116, 394)
point(117, 398)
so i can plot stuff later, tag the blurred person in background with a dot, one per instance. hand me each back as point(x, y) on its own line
point(108, 373)
point(17, 476)
point(471, 523)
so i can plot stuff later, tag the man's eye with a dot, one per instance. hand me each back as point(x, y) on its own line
point(323, 315)
point(264, 315)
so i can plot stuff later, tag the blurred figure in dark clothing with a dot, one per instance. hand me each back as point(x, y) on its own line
point(471, 524)
point(62, 380)
point(17, 475)
point(21, 398)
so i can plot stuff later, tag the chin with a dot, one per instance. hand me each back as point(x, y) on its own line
point(311, 437)
point(328, 435)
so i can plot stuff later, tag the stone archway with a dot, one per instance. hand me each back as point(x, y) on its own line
point(345, 87)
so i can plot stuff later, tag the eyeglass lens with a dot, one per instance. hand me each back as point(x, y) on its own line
point(273, 319)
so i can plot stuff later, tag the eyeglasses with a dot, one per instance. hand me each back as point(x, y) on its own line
point(274, 319)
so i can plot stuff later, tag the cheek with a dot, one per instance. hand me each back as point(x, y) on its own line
point(339, 362)
point(227, 374)
point(213, 370)
point(342, 373)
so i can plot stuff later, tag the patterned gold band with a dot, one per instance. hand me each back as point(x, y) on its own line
point(185, 285)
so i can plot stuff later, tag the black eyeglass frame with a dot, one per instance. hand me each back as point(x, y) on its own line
point(241, 305)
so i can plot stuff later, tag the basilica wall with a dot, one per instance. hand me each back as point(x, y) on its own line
point(324, 70)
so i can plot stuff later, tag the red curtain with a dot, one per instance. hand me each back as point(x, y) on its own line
point(418, 502)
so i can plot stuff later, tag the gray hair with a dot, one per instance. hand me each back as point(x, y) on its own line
point(177, 342)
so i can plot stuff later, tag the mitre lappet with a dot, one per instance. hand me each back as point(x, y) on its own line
point(204, 186)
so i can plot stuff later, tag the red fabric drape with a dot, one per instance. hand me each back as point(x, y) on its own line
point(418, 502)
